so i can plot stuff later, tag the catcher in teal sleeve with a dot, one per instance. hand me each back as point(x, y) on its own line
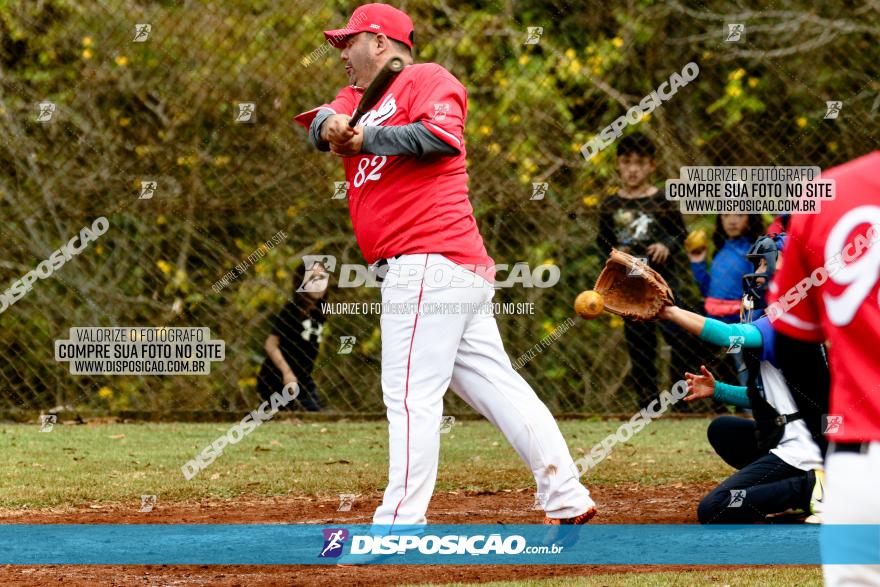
point(779, 463)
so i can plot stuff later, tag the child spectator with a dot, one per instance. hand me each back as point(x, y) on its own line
point(296, 337)
point(640, 221)
point(722, 284)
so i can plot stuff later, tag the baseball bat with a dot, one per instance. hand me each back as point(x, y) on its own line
point(378, 86)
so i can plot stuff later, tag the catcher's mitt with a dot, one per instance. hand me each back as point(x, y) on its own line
point(632, 289)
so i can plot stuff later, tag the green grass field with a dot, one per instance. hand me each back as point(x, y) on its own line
point(758, 577)
point(107, 463)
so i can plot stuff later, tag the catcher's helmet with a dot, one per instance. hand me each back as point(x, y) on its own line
point(755, 284)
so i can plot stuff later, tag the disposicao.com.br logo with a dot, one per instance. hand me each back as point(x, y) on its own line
point(334, 542)
point(447, 544)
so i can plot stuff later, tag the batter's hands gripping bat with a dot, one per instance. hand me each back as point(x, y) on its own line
point(375, 90)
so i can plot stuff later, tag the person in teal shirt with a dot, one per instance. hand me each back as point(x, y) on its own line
point(779, 463)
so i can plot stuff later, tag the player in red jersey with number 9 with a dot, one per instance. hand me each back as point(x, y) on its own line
point(828, 289)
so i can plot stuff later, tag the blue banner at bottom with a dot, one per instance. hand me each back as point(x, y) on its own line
point(298, 544)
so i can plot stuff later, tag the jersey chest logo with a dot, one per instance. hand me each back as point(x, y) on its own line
point(312, 329)
point(381, 113)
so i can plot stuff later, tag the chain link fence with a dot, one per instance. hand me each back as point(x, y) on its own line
point(132, 111)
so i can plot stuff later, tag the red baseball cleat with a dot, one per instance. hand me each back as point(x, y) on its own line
point(566, 530)
point(581, 519)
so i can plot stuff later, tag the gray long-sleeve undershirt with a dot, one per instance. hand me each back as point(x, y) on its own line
point(410, 139)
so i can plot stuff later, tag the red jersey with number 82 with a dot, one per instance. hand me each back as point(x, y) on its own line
point(844, 308)
point(402, 205)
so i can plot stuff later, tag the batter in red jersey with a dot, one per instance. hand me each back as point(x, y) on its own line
point(828, 288)
point(406, 168)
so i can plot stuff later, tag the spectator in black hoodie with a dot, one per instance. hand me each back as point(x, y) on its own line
point(640, 221)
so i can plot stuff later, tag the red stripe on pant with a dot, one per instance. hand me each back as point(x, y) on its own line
point(406, 393)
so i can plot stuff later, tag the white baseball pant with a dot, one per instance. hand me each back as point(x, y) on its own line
point(852, 482)
point(425, 353)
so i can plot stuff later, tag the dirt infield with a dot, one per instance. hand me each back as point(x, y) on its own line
point(632, 504)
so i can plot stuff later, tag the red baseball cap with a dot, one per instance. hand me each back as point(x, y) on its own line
point(374, 18)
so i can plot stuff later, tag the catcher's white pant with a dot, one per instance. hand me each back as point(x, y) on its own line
point(852, 482)
point(426, 353)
